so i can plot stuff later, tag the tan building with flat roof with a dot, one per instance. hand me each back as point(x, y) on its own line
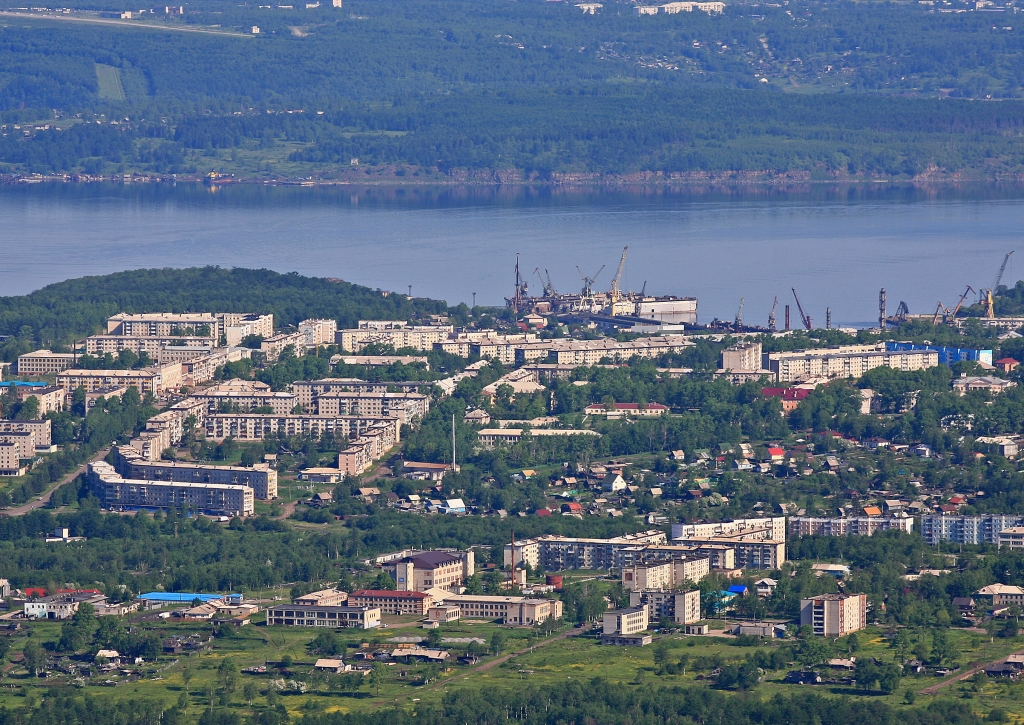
point(44, 362)
point(404, 406)
point(626, 621)
point(834, 615)
point(257, 427)
point(157, 379)
point(318, 332)
point(245, 395)
point(163, 324)
point(507, 610)
point(273, 346)
point(51, 398)
point(850, 361)
point(261, 478)
point(40, 429)
point(152, 345)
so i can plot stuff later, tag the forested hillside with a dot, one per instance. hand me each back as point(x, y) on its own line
point(451, 87)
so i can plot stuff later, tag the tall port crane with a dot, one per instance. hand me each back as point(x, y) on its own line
point(803, 318)
point(951, 316)
point(589, 281)
point(545, 282)
point(738, 324)
point(987, 294)
point(522, 290)
point(614, 291)
point(771, 315)
point(940, 311)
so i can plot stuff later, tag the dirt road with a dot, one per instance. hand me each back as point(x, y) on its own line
point(43, 500)
point(969, 672)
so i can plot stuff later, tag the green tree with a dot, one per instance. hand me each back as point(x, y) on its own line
point(377, 676)
point(497, 642)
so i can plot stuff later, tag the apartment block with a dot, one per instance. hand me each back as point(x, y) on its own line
point(742, 356)
point(261, 478)
point(244, 395)
point(308, 391)
point(201, 368)
point(157, 379)
point(322, 598)
point(392, 602)
point(768, 527)
point(749, 553)
point(301, 615)
point(666, 574)
point(834, 615)
point(39, 429)
point(152, 345)
point(44, 362)
point(507, 610)
point(432, 569)
point(236, 326)
point(51, 399)
point(593, 352)
point(273, 346)
point(318, 332)
point(850, 361)
point(967, 529)
point(675, 606)
point(23, 440)
point(491, 437)
point(626, 621)
point(558, 553)
point(370, 446)
point(848, 525)
point(118, 493)
point(256, 427)
point(1012, 538)
point(387, 332)
point(404, 406)
point(10, 460)
point(164, 324)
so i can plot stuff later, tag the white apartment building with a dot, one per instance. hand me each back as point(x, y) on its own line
point(164, 324)
point(256, 427)
point(967, 529)
point(388, 332)
point(834, 615)
point(769, 527)
point(261, 478)
point(742, 356)
point(40, 430)
point(318, 332)
point(44, 362)
point(1012, 538)
point(119, 493)
point(626, 621)
point(236, 326)
point(156, 379)
point(273, 346)
point(245, 395)
point(676, 606)
point(666, 574)
point(152, 345)
point(850, 361)
point(848, 525)
point(404, 406)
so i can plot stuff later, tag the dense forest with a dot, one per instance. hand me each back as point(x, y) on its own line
point(446, 88)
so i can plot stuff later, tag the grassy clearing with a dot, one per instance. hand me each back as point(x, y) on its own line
point(109, 79)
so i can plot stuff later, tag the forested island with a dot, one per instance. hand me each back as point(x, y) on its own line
point(458, 92)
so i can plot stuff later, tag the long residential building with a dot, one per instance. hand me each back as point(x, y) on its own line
point(118, 493)
point(157, 379)
point(308, 391)
point(164, 324)
point(666, 574)
point(676, 606)
point(850, 361)
point(490, 437)
point(257, 427)
point(387, 332)
point(404, 406)
point(593, 352)
point(261, 478)
point(370, 446)
point(770, 527)
point(558, 553)
point(245, 395)
point(507, 610)
point(392, 602)
point(848, 525)
point(273, 346)
point(40, 430)
point(152, 345)
point(967, 529)
point(751, 550)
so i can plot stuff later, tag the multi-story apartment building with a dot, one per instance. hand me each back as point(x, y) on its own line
point(404, 406)
point(23, 440)
point(157, 379)
point(666, 574)
point(152, 345)
point(118, 493)
point(307, 392)
point(51, 399)
point(370, 446)
point(848, 525)
point(164, 324)
point(261, 478)
point(304, 615)
point(201, 369)
point(40, 430)
point(834, 615)
point(236, 326)
point(387, 332)
point(432, 570)
point(273, 346)
point(768, 527)
point(392, 602)
point(850, 361)
point(491, 437)
point(507, 610)
point(556, 553)
point(10, 460)
point(676, 606)
point(967, 529)
point(750, 552)
point(742, 356)
point(318, 332)
point(44, 362)
point(1012, 538)
point(245, 395)
point(256, 427)
point(322, 598)
point(592, 352)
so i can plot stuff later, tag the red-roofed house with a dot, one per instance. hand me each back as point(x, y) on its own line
point(1006, 365)
point(627, 409)
point(775, 455)
point(391, 602)
point(542, 512)
point(572, 508)
point(790, 397)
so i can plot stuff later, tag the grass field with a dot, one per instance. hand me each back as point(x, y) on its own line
point(109, 79)
point(544, 663)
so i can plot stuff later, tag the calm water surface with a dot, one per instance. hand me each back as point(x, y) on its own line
point(836, 245)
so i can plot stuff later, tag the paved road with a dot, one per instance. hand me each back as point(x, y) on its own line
point(45, 498)
point(489, 664)
point(970, 672)
point(122, 23)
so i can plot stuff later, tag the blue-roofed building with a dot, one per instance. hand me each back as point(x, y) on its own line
point(158, 599)
point(739, 590)
point(948, 356)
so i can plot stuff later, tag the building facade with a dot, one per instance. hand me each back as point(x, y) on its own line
point(507, 610)
point(428, 570)
point(44, 362)
point(392, 602)
point(967, 529)
point(306, 615)
point(834, 615)
point(850, 361)
point(117, 493)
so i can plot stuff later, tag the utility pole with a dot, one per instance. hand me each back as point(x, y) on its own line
point(474, 300)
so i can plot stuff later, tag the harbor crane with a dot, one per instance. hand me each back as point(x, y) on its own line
point(617, 279)
point(951, 316)
point(987, 294)
point(940, 311)
point(771, 315)
point(738, 324)
point(803, 318)
point(589, 281)
point(545, 282)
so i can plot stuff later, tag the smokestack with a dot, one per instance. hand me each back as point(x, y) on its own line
point(881, 309)
point(787, 317)
point(828, 318)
